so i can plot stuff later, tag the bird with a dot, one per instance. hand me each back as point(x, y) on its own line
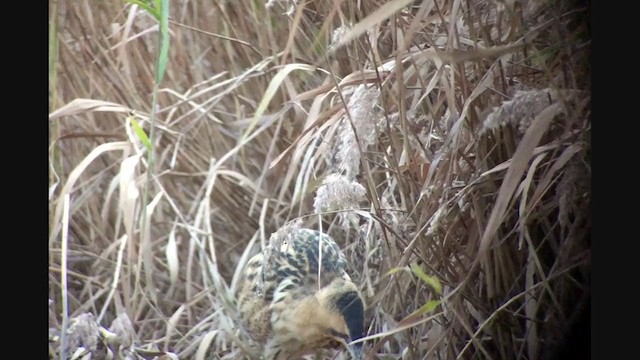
point(297, 298)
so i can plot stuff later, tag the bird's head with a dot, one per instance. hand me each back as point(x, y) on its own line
point(342, 308)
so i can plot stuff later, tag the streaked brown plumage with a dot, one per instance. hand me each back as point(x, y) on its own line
point(294, 308)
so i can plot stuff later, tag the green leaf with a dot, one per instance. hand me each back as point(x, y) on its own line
point(395, 270)
point(148, 8)
point(429, 280)
point(428, 307)
point(164, 40)
point(141, 134)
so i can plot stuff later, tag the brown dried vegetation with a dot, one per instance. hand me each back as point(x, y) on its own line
point(449, 135)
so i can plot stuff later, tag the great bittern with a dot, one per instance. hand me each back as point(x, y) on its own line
point(295, 306)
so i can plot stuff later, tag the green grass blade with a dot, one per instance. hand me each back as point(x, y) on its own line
point(395, 270)
point(141, 134)
point(428, 307)
point(429, 280)
point(164, 40)
point(148, 8)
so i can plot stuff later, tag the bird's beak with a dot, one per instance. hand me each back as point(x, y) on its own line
point(355, 350)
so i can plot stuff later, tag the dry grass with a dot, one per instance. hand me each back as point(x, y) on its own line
point(452, 136)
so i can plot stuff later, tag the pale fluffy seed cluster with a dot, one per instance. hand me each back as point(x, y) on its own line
point(337, 35)
point(292, 5)
point(82, 335)
point(338, 193)
point(520, 110)
point(124, 333)
point(279, 237)
point(85, 336)
point(362, 109)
